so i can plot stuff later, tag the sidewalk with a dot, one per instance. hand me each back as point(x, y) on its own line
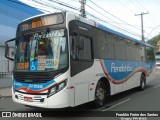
point(5, 92)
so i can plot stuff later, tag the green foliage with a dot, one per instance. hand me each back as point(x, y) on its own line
point(154, 40)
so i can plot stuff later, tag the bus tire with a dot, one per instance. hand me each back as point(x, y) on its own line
point(100, 94)
point(142, 82)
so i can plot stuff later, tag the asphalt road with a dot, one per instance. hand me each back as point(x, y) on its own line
point(131, 101)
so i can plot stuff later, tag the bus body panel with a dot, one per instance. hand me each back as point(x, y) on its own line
point(82, 82)
point(122, 75)
point(152, 75)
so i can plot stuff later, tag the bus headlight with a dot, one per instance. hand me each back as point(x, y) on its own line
point(57, 88)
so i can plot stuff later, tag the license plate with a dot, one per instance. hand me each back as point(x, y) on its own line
point(28, 99)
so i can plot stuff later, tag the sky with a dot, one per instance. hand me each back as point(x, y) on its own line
point(116, 14)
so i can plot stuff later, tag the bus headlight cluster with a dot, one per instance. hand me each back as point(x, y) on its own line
point(57, 88)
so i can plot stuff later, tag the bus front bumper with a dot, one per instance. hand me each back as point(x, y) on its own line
point(58, 100)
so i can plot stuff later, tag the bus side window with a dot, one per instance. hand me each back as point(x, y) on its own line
point(80, 47)
point(84, 48)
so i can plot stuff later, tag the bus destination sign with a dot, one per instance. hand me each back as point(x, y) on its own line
point(41, 22)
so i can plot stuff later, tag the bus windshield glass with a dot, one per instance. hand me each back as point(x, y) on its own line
point(42, 51)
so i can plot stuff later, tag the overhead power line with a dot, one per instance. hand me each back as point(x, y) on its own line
point(53, 7)
point(112, 25)
point(111, 14)
point(108, 18)
point(64, 4)
point(152, 30)
point(109, 22)
point(141, 5)
point(74, 8)
point(20, 3)
point(149, 16)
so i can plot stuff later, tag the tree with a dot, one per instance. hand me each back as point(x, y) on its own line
point(154, 41)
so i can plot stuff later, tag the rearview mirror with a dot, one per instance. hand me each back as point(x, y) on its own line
point(7, 49)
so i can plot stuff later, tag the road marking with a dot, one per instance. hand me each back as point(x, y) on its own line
point(156, 86)
point(117, 104)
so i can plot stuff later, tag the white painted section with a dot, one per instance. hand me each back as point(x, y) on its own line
point(82, 81)
point(81, 93)
point(124, 86)
point(70, 91)
point(92, 88)
point(152, 76)
point(136, 79)
point(129, 83)
point(118, 88)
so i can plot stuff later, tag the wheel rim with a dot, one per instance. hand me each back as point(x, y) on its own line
point(100, 95)
point(142, 84)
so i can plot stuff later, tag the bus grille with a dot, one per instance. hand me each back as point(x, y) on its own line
point(31, 77)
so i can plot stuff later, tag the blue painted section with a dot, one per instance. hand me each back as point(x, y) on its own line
point(119, 70)
point(122, 35)
point(35, 87)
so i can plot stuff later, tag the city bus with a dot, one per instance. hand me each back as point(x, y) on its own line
point(64, 60)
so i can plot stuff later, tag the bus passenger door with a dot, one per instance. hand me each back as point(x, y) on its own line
point(82, 69)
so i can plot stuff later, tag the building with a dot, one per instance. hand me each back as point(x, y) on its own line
point(158, 46)
point(12, 13)
point(157, 57)
point(158, 53)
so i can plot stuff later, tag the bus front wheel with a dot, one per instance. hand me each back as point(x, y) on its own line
point(100, 94)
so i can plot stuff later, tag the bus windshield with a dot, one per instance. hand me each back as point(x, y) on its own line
point(42, 51)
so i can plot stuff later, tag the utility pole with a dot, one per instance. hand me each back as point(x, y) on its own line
point(141, 14)
point(82, 10)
